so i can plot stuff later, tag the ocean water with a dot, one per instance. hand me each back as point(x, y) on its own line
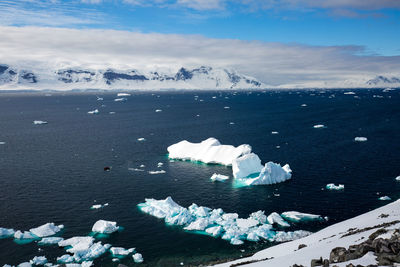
point(54, 172)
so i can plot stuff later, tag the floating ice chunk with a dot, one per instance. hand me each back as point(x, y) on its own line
point(334, 187)
point(111, 112)
point(93, 252)
point(38, 260)
point(304, 105)
point(318, 126)
point(219, 177)
point(47, 229)
point(85, 264)
point(295, 216)
point(38, 122)
point(119, 251)
point(24, 235)
point(208, 151)
point(100, 99)
point(259, 216)
point(2, 143)
point(360, 139)
point(65, 259)
point(289, 236)
point(105, 227)
point(160, 164)
point(215, 231)
point(276, 218)
point(199, 224)
point(25, 264)
point(142, 166)
point(138, 258)
point(199, 211)
point(136, 169)
point(246, 223)
point(274, 132)
point(230, 216)
point(77, 243)
point(246, 165)
point(98, 206)
point(182, 218)
point(385, 198)
point(226, 107)
point(231, 123)
point(96, 111)
point(349, 93)
point(272, 173)
point(50, 240)
point(157, 172)
point(5, 232)
point(398, 178)
point(123, 94)
point(120, 99)
point(141, 139)
point(158, 110)
point(235, 241)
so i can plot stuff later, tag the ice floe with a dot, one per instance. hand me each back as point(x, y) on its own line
point(360, 139)
point(96, 111)
point(160, 164)
point(38, 122)
point(65, 259)
point(349, 93)
point(119, 251)
point(334, 187)
point(83, 248)
point(24, 235)
point(398, 178)
point(385, 198)
point(138, 258)
point(219, 177)
point(123, 94)
point(50, 240)
point(6, 232)
point(217, 223)
point(295, 216)
point(47, 229)
point(120, 99)
point(157, 172)
point(158, 110)
point(105, 227)
point(2, 143)
point(141, 139)
point(38, 260)
point(274, 132)
point(319, 126)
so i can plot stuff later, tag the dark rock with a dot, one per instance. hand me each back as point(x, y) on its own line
point(183, 74)
point(111, 76)
point(325, 263)
point(302, 246)
point(317, 262)
point(377, 233)
point(338, 254)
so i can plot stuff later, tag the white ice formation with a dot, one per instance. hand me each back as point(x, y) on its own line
point(295, 216)
point(360, 139)
point(219, 177)
point(47, 229)
point(335, 187)
point(217, 223)
point(38, 122)
point(246, 166)
point(5, 232)
point(96, 111)
point(105, 227)
point(119, 251)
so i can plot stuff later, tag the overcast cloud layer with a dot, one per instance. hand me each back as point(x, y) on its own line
point(272, 63)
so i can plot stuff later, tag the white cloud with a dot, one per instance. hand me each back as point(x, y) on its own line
point(273, 63)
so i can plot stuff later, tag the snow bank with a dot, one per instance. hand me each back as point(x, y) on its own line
point(219, 177)
point(105, 227)
point(47, 229)
point(334, 187)
point(217, 223)
point(208, 151)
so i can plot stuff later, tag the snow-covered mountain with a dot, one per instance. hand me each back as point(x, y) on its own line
point(383, 81)
point(81, 78)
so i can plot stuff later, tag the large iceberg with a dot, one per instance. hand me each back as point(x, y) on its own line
point(47, 229)
point(246, 166)
point(208, 151)
point(217, 223)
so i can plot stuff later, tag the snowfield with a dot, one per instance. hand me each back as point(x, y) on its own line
point(344, 234)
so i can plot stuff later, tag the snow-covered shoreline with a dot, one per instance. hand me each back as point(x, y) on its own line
point(320, 244)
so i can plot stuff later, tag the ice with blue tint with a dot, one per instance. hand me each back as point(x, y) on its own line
point(217, 223)
point(295, 216)
point(334, 187)
point(38, 260)
point(219, 177)
point(246, 165)
point(5, 232)
point(50, 240)
point(105, 227)
point(119, 251)
point(272, 173)
point(47, 229)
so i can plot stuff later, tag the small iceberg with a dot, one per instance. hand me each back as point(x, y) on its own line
point(295, 216)
point(38, 122)
point(385, 198)
point(158, 110)
point(98, 206)
point(100, 99)
point(138, 258)
point(83, 248)
point(275, 218)
point(349, 93)
point(360, 139)
point(96, 111)
point(105, 227)
point(319, 126)
point(38, 260)
point(157, 172)
point(50, 240)
point(120, 99)
point(304, 105)
point(6, 232)
point(398, 178)
point(119, 251)
point(272, 173)
point(123, 94)
point(274, 132)
point(65, 259)
point(334, 187)
point(141, 139)
point(47, 229)
point(24, 235)
point(219, 177)
point(2, 143)
point(160, 164)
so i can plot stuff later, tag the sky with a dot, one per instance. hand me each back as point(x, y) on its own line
point(277, 41)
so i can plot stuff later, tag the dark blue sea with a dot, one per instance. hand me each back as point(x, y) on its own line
point(54, 172)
